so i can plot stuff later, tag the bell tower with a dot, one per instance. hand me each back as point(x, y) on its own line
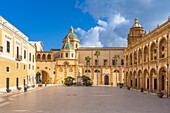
point(136, 33)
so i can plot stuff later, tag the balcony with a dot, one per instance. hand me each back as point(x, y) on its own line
point(18, 58)
point(1, 49)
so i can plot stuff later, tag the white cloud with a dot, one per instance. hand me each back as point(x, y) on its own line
point(103, 34)
point(102, 23)
point(115, 17)
point(90, 38)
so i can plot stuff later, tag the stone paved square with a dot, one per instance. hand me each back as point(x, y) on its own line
point(61, 99)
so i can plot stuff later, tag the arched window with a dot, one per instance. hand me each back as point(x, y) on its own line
point(76, 45)
point(38, 56)
point(97, 71)
point(43, 57)
point(48, 57)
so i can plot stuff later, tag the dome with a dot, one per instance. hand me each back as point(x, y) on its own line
point(67, 45)
point(136, 23)
point(71, 35)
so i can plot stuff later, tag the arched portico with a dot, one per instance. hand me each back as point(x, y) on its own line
point(42, 77)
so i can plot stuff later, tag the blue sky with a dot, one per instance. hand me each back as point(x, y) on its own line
point(98, 23)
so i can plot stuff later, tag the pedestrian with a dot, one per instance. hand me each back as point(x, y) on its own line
point(25, 88)
point(45, 84)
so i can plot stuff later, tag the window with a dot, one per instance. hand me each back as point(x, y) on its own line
point(25, 54)
point(163, 55)
point(163, 48)
point(122, 62)
point(155, 51)
point(61, 55)
point(38, 57)
point(43, 57)
point(7, 69)
point(104, 62)
point(49, 57)
point(155, 58)
point(76, 45)
point(8, 47)
point(66, 54)
point(33, 67)
point(17, 52)
point(29, 66)
point(113, 62)
point(24, 67)
point(32, 58)
point(72, 55)
point(54, 72)
point(96, 62)
point(38, 67)
point(29, 56)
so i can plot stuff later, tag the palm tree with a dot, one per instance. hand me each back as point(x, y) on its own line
point(116, 57)
point(97, 54)
point(87, 58)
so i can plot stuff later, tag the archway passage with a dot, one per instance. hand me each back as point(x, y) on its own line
point(42, 77)
point(45, 77)
point(106, 80)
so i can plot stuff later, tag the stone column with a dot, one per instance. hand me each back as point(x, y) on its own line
point(157, 66)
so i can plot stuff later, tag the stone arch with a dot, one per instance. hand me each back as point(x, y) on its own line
point(153, 51)
point(134, 79)
point(139, 79)
point(130, 79)
point(126, 60)
point(130, 59)
point(38, 56)
point(140, 56)
point(44, 57)
point(162, 48)
point(126, 78)
point(135, 57)
point(49, 57)
point(97, 71)
point(162, 78)
point(146, 79)
point(87, 71)
point(42, 77)
point(153, 79)
point(146, 54)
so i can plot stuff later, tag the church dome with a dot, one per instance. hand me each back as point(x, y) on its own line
point(71, 35)
point(67, 45)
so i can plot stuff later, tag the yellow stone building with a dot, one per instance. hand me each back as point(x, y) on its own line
point(17, 57)
point(57, 64)
point(147, 58)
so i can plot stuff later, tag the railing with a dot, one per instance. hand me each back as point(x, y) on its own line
point(18, 58)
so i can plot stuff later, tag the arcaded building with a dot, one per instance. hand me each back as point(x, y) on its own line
point(147, 58)
point(17, 57)
point(57, 64)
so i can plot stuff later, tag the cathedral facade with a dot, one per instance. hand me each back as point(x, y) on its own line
point(57, 64)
